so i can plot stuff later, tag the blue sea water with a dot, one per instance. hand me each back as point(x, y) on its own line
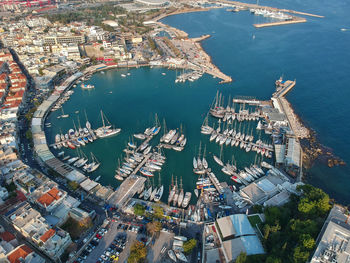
point(315, 53)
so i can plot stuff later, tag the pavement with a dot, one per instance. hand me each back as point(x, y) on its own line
point(154, 253)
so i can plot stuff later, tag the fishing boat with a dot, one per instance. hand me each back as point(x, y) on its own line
point(172, 255)
point(187, 199)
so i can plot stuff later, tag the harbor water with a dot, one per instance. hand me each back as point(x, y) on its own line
point(315, 53)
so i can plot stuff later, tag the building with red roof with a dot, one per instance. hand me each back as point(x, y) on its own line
point(3, 78)
point(23, 253)
point(51, 199)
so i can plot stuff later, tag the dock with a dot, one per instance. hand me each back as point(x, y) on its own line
point(287, 86)
point(126, 191)
point(145, 159)
point(215, 182)
point(280, 23)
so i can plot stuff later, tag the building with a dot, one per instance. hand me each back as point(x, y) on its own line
point(68, 39)
point(153, 3)
point(334, 239)
point(30, 223)
point(22, 253)
point(230, 236)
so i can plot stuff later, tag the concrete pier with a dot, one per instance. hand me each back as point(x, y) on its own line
point(281, 23)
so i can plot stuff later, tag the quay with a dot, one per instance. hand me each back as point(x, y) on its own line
point(280, 23)
point(126, 190)
point(287, 86)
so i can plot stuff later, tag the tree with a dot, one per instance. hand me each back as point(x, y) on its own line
point(300, 256)
point(138, 252)
point(139, 210)
point(153, 227)
point(158, 212)
point(189, 245)
point(242, 258)
point(307, 241)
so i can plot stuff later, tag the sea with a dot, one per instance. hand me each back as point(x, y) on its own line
point(315, 53)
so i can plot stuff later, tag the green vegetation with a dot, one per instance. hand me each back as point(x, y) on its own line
point(75, 228)
point(138, 252)
point(189, 245)
point(11, 187)
point(29, 135)
point(158, 212)
point(290, 231)
point(241, 258)
point(139, 210)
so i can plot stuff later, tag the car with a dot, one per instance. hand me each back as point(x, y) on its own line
point(104, 230)
point(104, 257)
point(101, 233)
point(108, 253)
point(95, 240)
point(119, 226)
point(98, 236)
point(126, 227)
point(88, 249)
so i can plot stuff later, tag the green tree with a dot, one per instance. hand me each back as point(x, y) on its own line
point(138, 252)
point(273, 259)
point(266, 231)
point(158, 212)
point(307, 241)
point(242, 258)
point(189, 245)
point(300, 256)
point(139, 210)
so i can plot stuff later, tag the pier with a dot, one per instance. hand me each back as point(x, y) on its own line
point(287, 86)
point(145, 159)
point(126, 190)
point(280, 23)
point(215, 181)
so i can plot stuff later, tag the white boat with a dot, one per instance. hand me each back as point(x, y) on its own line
point(140, 136)
point(195, 165)
point(205, 163)
point(181, 238)
point(183, 143)
point(180, 198)
point(218, 161)
point(196, 192)
point(187, 199)
point(181, 256)
point(171, 255)
point(123, 75)
point(171, 195)
point(153, 194)
point(147, 193)
point(159, 194)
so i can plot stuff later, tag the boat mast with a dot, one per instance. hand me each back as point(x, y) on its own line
point(103, 121)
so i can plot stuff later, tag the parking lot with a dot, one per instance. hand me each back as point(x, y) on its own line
point(113, 245)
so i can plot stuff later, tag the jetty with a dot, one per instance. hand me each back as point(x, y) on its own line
point(280, 23)
point(215, 182)
point(141, 164)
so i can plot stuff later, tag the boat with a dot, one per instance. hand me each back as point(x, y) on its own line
point(72, 160)
point(181, 195)
point(140, 136)
point(147, 193)
point(195, 165)
point(172, 255)
point(71, 145)
point(145, 172)
point(196, 192)
point(153, 194)
point(84, 86)
point(171, 195)
point(187, 199)
point(159, 194)
point(97, 178)
point(123, 75)
point(106, 131)
point(181, 256)
point(217, 160)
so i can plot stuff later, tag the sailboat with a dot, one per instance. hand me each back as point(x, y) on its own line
point(159, 193)
point(106, 131)
point(217, 159)
point(204, 161)
point(176, 195)
point(181, 195)
point(187, 199)
point(88, 124)
point(171, 255)
point(172, 191)
point(89, 168)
